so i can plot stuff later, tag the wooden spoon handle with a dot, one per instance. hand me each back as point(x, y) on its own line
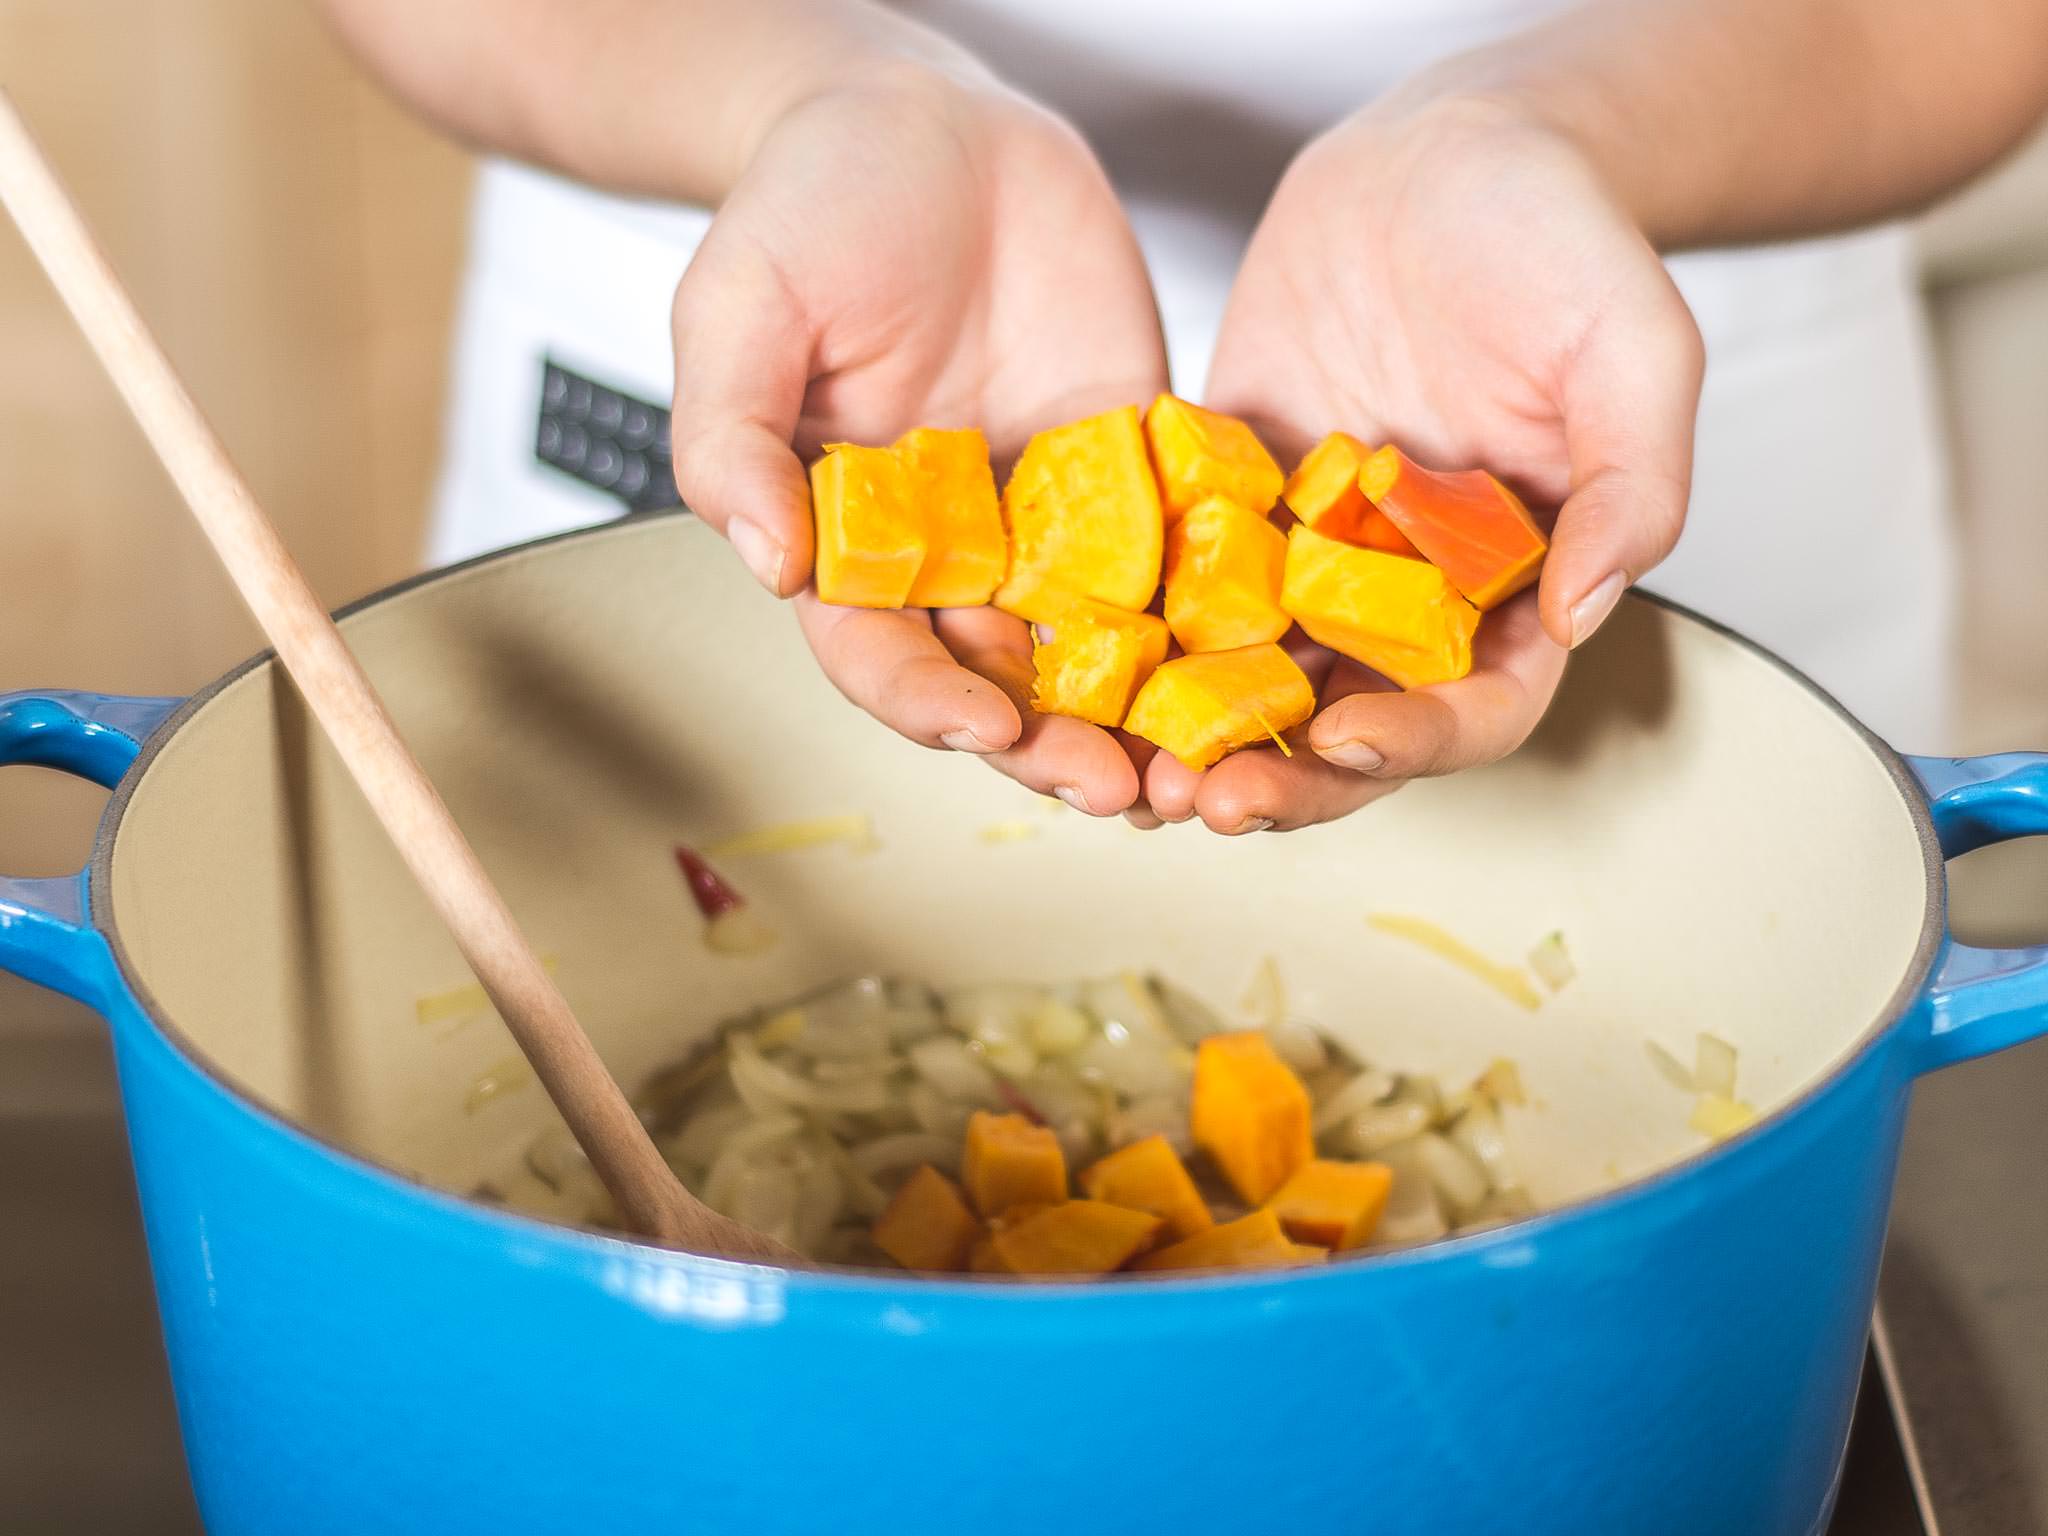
point(354, 718)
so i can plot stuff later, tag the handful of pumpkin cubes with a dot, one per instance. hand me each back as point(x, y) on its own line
point(1385, 562)
point(1139, 1208)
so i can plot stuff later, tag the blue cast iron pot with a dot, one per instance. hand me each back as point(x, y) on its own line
point(358, 1348)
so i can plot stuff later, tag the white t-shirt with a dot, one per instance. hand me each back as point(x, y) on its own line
point(1819, 521)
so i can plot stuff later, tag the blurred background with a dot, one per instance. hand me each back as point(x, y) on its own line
point(296, 240)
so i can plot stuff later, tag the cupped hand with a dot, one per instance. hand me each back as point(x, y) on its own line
point(1453, 277)
point(910, 247)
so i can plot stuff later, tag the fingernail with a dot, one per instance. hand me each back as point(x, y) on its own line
point(1355, 755)
point(1143, 819)
point(1591, 611)
point(964, 740)
point(762, 554)
point(1075, 798)
point(1252, 824)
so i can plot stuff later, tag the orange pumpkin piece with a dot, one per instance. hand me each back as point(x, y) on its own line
point(1076, 1237)
point(1096, 661)
point(1010, 1161)
point(1250, 1113)
point(1223, 566)
point(1400, 617)
point(1201, 706)
point(1470, 526)
point(953, 491)
point(1148, 1175)
point(1251, 1242)
point(1083, 516)
point(1332, 1204)
point(1200, 453)
point(927, 1224)
point(870, 538)
point(1324, 492)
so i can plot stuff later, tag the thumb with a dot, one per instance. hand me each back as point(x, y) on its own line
point(1631, 399)
point(742, 357)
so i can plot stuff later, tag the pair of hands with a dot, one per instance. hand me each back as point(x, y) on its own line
point(917, 246)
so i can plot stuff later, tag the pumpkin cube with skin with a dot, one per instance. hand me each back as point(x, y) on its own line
point(1256, 1241)
point(870, 537)
point(1083, 516)
point(1009, 1161)
point(1202, 706)
point(1400, 617)
point(1096, 661)
point(954, 492)
point(1223, 566)
point(1470, 526)
point(1148, 1175)
point(1250, 1113)
point(927, 1224)
point(1333, 1204)
point(1324, 492)
point(1199, 453)
point(1076, 1237)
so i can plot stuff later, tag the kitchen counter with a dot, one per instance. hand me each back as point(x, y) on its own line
point(88, 1443)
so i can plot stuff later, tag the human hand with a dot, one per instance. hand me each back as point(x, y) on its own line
point(1452, 277)
point(911, 246)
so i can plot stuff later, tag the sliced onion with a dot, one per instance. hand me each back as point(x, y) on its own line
point(1187, 1015)
point(739, 931)
point(1369, 1131)
point(906, 1150)
point(1456, 1176)
point(1359, 1092)
point(932, 1111)
point(1552, 963)
point(1714, 1066)
point(1669, 1067)
point(945, 1062)
point(764, 1085)
point(1480, 1133)
point(1159, 1116)
point(1264, 1004)
point(1413, 1213)
point(1426, 1091)
point(1055, 1028)
point(697, 1142)
point(1720, 1117)
point(1299, 1045)
point(1502, 1083)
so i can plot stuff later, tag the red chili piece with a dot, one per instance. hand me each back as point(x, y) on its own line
point(714, 897)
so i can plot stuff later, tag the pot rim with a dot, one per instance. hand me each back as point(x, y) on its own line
point(883, 1286)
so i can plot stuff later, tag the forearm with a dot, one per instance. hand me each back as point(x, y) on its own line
point(1718, 121)
point(660, 97)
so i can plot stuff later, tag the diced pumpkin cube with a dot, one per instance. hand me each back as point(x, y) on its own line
point(1009, 1161)
point(1148, 1175)
point(1332, 1204)
point(1223, 566)
point(1199, 453)
point(1400, 617)
point(870, 538)
point(1251, 1242)
point(1077, 1237)
point(1083, 515)
point(954, 492)
point(1096, 661)
point(1324, 492)
point(1250, 1113)
point(1199, 707)
point(1470, 526)
point(927, 1224)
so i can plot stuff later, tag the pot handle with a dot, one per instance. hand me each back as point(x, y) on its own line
point(1983, 1000)
point(45, 933)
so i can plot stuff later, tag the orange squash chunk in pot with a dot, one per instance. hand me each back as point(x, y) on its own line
point(1096, 661)
point(1251, 1242)
point(1332, 1204)
point(1470, 526)
point(1199, 453)
point(1223, 566)
point(1250, 1113)
point(1083, 516)
point(1009, 1161)
point(1148, 1175)
point(870, 538)
point(1324, 492)
point(1201, 706)
point(1400, 617)
point(1076, 1237)
point(927, 1224)
point(954, 492)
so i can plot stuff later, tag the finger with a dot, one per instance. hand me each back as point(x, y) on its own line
point(1262, 790)
point(891, 664)
point(1450, 726)
point(1082, 764)
point(1630, 402)
point(743, 349)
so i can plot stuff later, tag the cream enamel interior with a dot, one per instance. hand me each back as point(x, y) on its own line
point(1721, 850)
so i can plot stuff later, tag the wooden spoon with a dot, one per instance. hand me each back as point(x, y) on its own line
point(355, 720)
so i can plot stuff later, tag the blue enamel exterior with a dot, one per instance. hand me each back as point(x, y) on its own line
point(354, 1353)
